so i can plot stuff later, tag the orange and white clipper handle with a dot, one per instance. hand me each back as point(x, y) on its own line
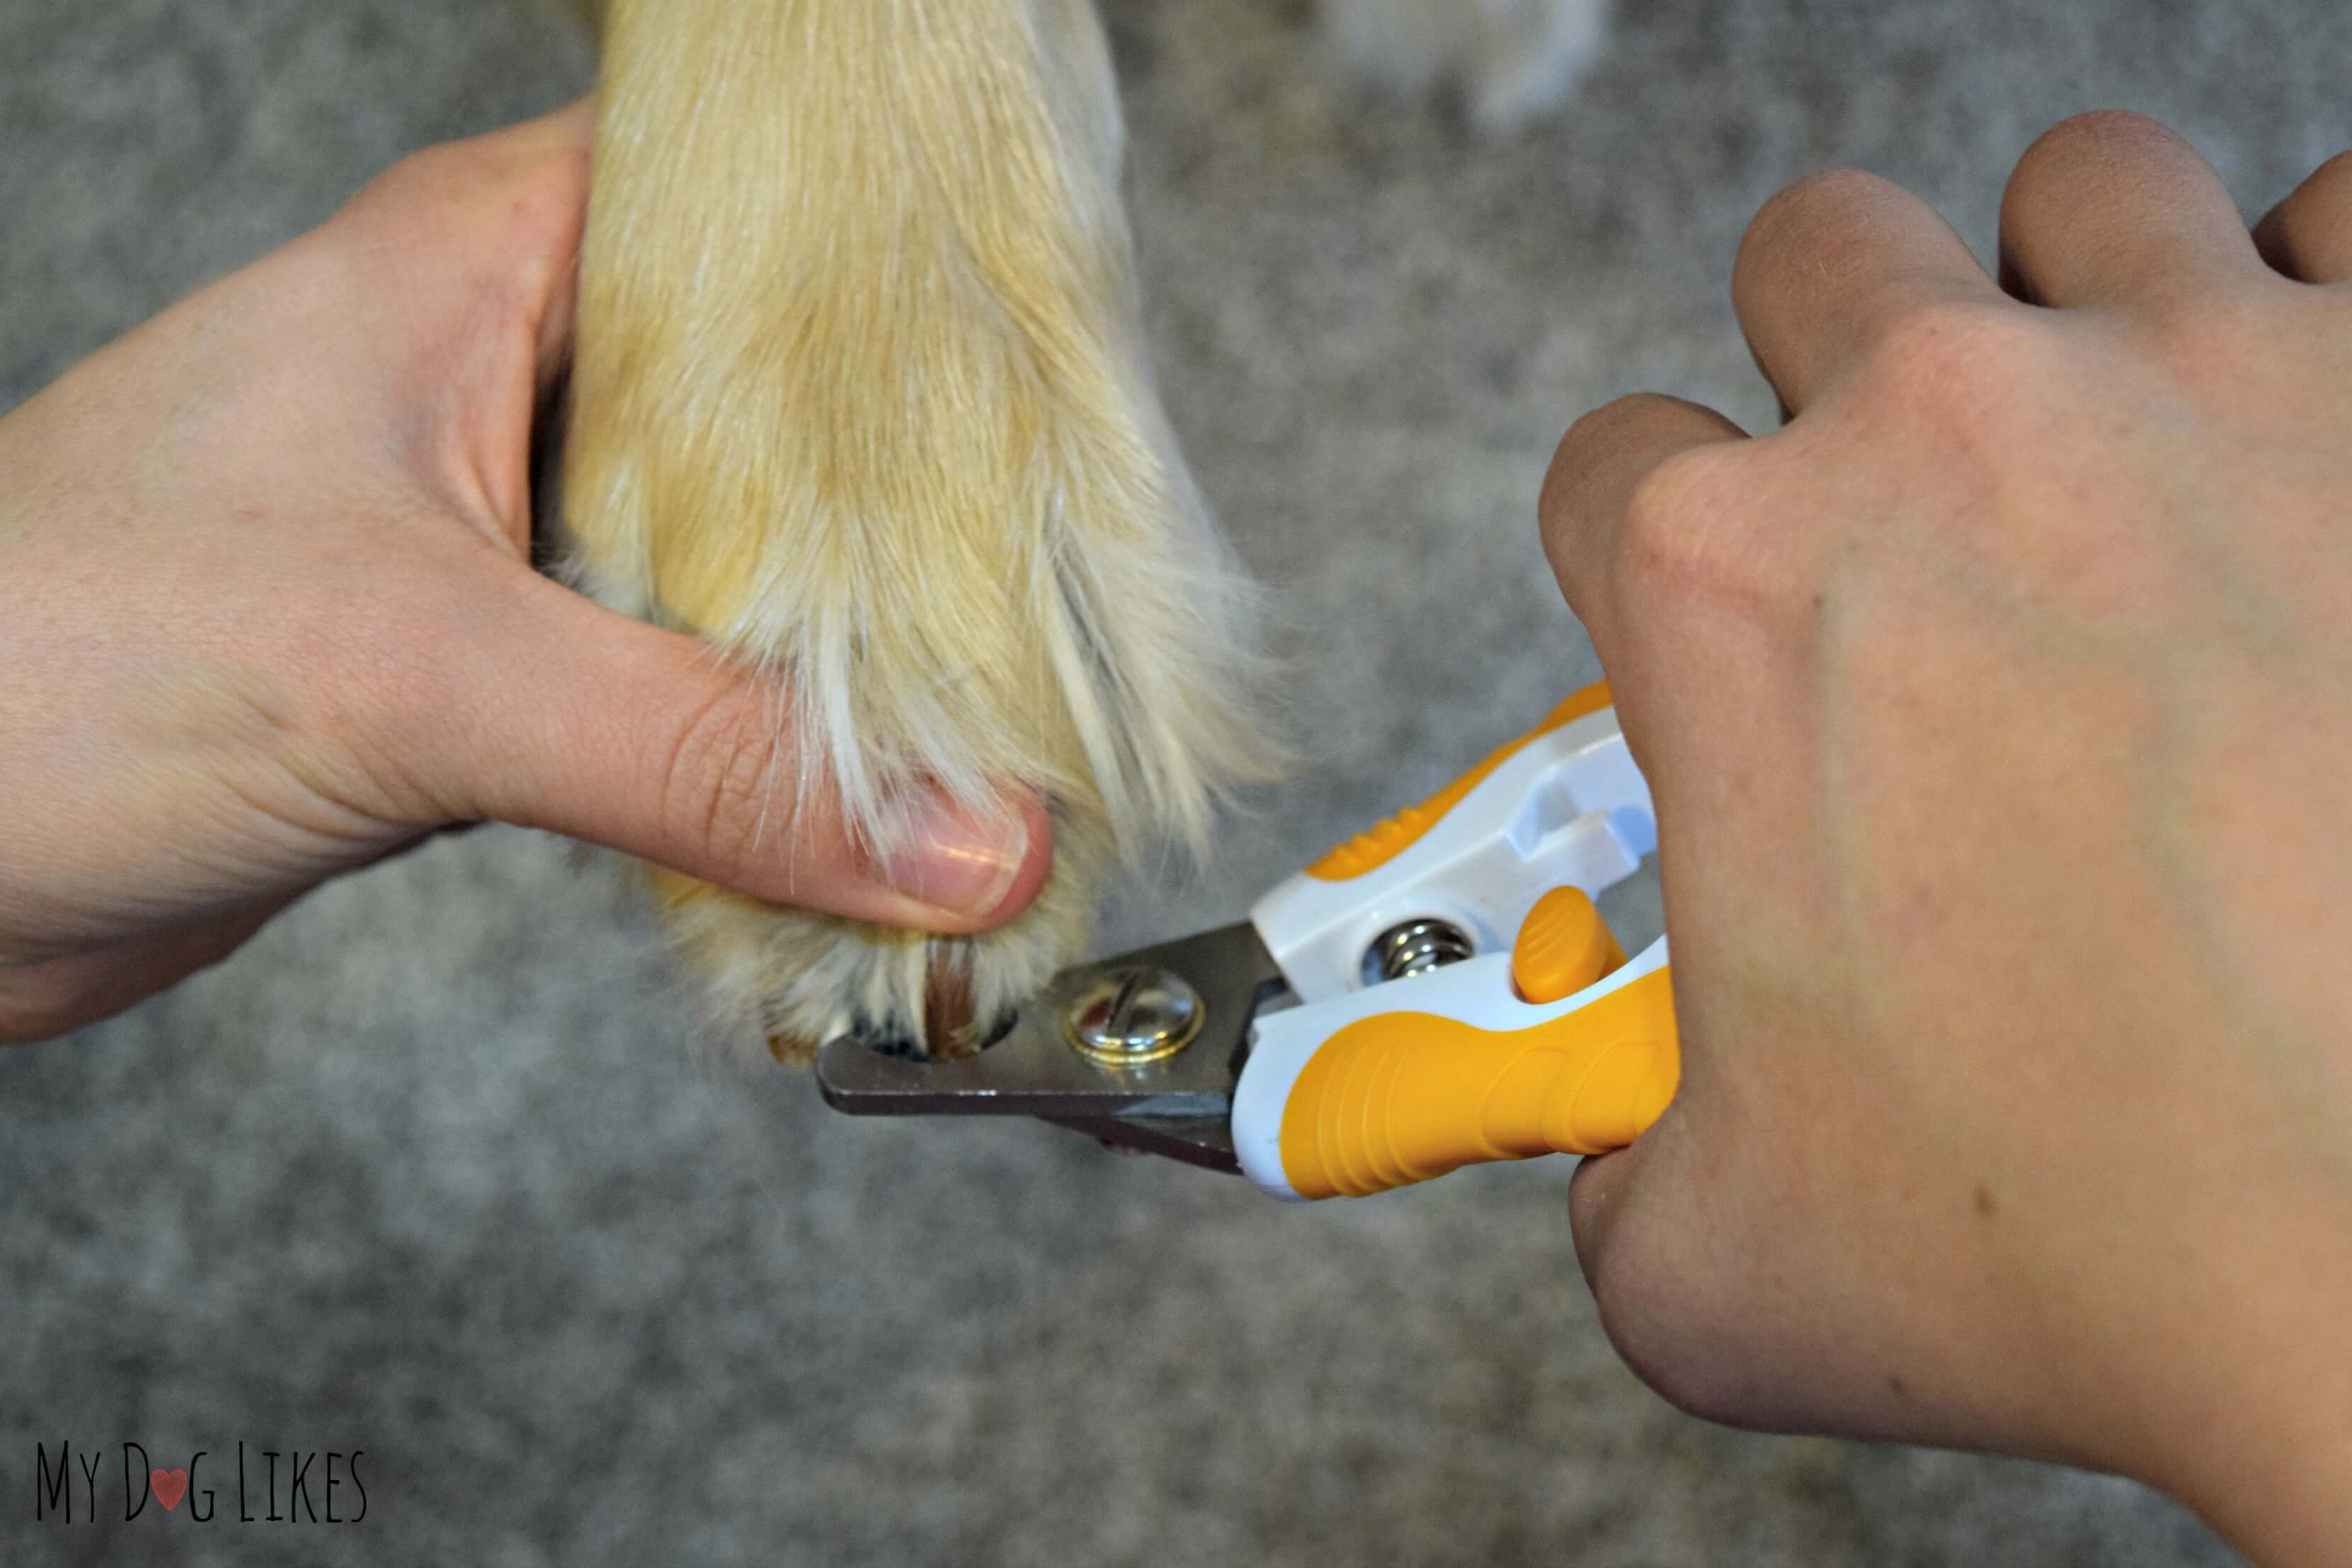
point(1544, 1040)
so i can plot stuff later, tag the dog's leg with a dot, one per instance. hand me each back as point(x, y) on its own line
point(861, 395)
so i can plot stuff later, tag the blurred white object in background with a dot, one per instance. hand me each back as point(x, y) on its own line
point(1512, 60)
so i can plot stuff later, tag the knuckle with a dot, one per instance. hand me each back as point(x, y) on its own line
point(1829, 188)
point(1947, 352)
point(1603, 424)
point(2315, 217)
point(2049, 178)
point(2206, 337)
point(2336, 170)
point(1592, 438)
point(1581, 502)
point(1797, 215)
point(2095, 134)
point(1685, 537)
point(1671, 503)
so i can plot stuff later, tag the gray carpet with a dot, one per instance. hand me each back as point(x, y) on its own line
point(427, 1171)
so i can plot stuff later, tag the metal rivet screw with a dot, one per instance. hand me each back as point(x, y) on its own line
point(1416, 947)
point(1126, 1016)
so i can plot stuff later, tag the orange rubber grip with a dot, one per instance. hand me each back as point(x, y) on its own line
point(1403, 1097)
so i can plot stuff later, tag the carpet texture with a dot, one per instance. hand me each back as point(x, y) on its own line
point(427, 1172)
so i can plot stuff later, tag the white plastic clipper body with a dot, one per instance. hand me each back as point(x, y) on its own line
point(1566, 808)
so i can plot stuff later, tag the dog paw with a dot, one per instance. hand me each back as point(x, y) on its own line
point(861, 397)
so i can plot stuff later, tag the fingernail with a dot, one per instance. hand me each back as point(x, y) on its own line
point(960, 863)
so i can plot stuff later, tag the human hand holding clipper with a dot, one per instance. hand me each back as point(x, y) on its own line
point(1997, 713)
point(1994, 720)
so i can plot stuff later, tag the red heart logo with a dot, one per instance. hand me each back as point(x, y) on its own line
point(168, 1487)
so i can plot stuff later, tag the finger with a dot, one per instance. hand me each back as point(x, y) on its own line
point(2308, 236)
point(1828, 263)
point(2110, 209)
point(555, 713)
point(1602, 463)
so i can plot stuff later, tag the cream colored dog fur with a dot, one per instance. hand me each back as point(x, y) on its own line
point(861, 397)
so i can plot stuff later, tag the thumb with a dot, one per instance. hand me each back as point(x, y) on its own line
point(551, 711)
